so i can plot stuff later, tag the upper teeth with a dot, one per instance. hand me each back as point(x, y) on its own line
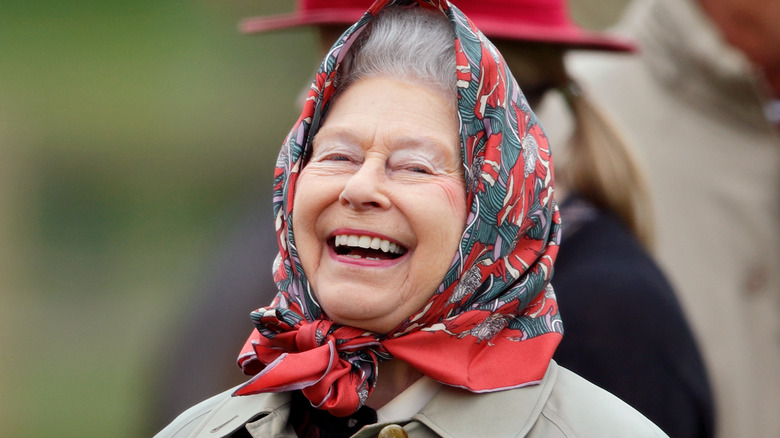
point(368, 242)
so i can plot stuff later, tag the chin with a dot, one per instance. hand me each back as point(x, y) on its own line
point(380, 324)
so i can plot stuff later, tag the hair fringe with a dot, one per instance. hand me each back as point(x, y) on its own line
point(416, 45)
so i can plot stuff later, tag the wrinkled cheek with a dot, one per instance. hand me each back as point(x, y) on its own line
point(455, 196)
point(305, 211)
point(311, 193)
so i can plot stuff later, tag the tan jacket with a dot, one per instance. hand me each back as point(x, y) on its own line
point(562, 405)
point(693, 110)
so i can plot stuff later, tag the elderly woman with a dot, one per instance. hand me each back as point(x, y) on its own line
point(417, 231)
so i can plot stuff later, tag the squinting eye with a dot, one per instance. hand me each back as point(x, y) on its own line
point(336, 158)
point(419, 170)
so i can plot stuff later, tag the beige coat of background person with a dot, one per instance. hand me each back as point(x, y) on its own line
point(695, 110)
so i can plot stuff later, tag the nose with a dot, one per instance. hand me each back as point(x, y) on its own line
point(366, 188)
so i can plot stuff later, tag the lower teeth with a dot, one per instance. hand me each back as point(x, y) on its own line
point(355, 256)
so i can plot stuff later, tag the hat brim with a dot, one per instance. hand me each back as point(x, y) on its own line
point(569, 36)
point(340, 16)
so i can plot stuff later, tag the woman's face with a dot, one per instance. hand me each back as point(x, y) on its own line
point(381, 204)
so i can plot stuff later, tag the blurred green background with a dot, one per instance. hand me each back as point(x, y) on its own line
point(130, 135)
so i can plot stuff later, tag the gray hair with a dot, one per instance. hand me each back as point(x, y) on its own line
point(408, 44)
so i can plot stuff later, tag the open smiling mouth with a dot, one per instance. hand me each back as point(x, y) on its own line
point(366, 247)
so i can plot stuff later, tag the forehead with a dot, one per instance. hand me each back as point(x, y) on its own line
point(409, 114)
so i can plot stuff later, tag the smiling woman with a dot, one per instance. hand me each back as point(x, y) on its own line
point(362, 182)
point(417, 231)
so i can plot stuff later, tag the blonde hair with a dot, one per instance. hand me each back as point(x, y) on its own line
point(603, 169)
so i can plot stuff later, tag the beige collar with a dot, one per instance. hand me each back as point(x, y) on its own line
point(452, 412)
point(410, 401)
point(449, 413)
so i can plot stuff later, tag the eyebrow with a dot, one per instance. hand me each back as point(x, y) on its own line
point(341, 134)
point(423, 142)
point(427, 146)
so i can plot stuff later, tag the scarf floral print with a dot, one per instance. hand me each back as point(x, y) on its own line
point(493, 323)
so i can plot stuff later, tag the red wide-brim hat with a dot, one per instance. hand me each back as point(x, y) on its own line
point(544, 21)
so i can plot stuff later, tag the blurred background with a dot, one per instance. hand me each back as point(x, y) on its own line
point(132, 134)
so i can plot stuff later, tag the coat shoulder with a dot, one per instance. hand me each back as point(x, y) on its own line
point(186, 423)
point(578, 408)
point(224, 413)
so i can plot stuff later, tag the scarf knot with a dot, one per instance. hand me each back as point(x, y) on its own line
point(334, 366)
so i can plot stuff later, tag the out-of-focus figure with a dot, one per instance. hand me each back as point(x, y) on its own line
point(700, 103)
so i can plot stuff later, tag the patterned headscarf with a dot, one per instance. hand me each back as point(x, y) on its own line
point(493, 323)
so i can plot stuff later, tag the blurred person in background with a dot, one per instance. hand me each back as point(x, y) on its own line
point(605, 276)
point(700, 104)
